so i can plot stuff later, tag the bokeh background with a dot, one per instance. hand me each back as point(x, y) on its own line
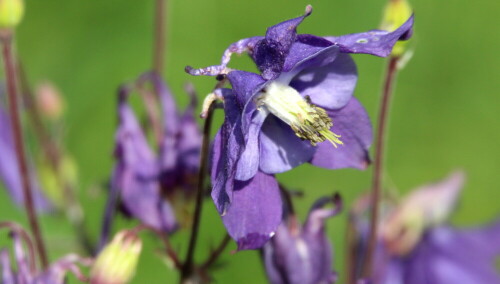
point(445, 115)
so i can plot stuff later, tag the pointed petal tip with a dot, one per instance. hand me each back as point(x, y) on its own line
point(253, 241)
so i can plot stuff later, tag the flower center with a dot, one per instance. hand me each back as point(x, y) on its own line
point(308, 121)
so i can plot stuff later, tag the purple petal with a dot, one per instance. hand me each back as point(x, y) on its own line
point(7, 274)
point(330, 86)
point(248, 163)
point(353, 124)
point(375, 42)
point(270, 53)
point(226, 151)
point(245, 85)
point(296, 255)
point(239, 47)
point(189, 140)
point(255, 211)
point(447, 255)
point(137, 173)
point(280, 149)
point(309, 51)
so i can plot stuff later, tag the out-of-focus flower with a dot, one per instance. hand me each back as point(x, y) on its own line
point(26, 271)
point(136, 173)
point(9, 169)
point(11, 13)
point(279, 119)
point(145, 179)
point(302, 254)
point(117, 262)
point(415, 245)
point(49, 101)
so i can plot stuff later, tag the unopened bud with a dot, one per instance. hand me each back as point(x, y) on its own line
point(11, 13)
point(395, 14)
point(49, 100)
point(117, 262)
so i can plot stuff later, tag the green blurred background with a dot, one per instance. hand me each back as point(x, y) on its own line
point(445, 114)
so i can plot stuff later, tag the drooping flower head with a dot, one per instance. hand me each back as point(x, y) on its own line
point(299, 109)
point(302, 254)
point(415, 245)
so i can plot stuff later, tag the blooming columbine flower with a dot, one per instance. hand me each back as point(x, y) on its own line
point(9, 170)
point(298, 110)
point(302, 254)
point(416, 247)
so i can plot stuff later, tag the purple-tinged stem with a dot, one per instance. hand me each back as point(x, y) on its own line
point(378, 165)
point(159, 36)
point(187, 268)
point(10, 73)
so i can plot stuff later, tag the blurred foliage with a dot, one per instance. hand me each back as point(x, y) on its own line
point(445, 113)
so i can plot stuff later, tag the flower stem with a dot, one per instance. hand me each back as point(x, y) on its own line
point(378, 166)
point(216, 253)
point(187, 268)
point(10, 73)
point(159, 36)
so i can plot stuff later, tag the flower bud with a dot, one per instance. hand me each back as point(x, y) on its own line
point(395, 14)
point(49, 100)
point(117, 262)
point(11, 13)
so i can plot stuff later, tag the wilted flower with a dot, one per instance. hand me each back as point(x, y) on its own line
point(302, 254)
point(9, 169)
point(279, 119)
point(117, 262)
point(416, 246)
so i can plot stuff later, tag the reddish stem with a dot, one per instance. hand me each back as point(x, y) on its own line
point(378, 165)
point(10, 72)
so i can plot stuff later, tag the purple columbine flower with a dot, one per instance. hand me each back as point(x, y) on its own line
point(302, 97)
point(417, 246)
point(9, 170)
point(302, 255)
point(144, 178)
point(283, 117)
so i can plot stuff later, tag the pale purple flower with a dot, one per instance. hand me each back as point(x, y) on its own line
point(302, 254)
point(415, 245)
